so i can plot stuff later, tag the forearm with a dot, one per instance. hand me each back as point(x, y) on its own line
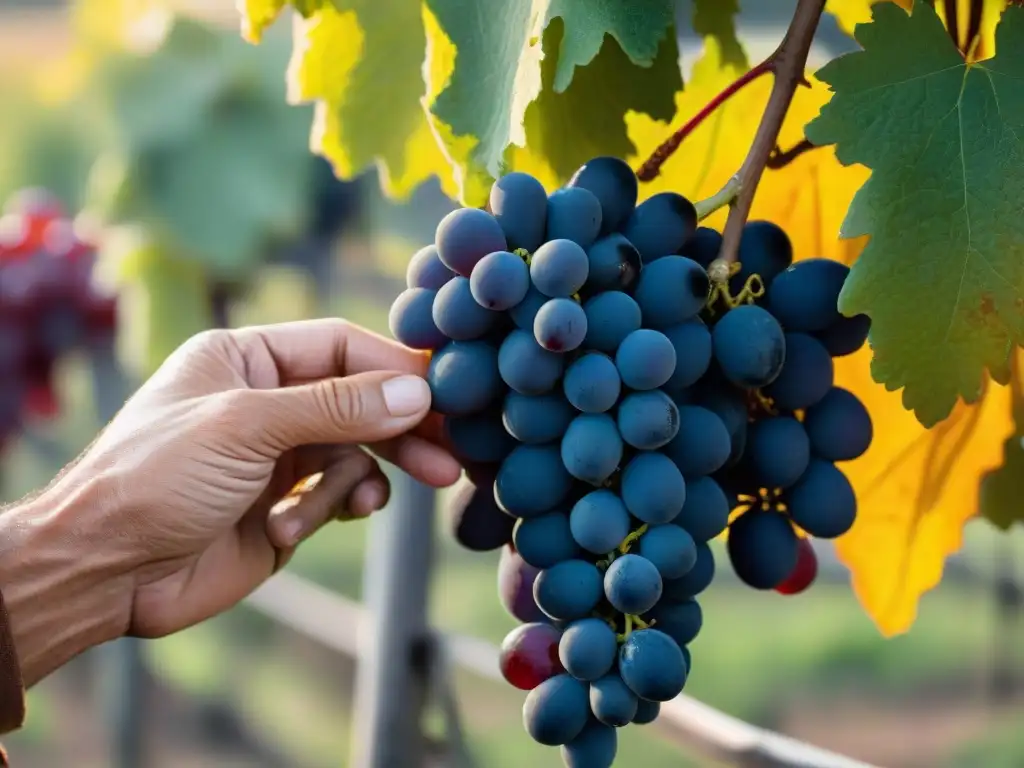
point(61, 581)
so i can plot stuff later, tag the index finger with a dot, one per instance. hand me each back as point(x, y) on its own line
point(307, 350)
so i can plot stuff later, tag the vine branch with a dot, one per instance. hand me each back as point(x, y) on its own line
point(787, 65)
point(652, 166)
point(780, 158)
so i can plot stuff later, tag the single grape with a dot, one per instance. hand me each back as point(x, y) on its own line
point(463, 378)
point(805, 297)
point(537, 418)
point(426, 270)
point(646, 359)
point(661, 224)
point(500, 281)
point(465, 236)
point(480, 438)
point(591, 448)
point(632, 584)
point(646, 712)
point(458, 315)
point(691, 341)
point(592, 383)
point(671, 290)
point(599, 521)
point(822, 502)
point(545, 540)
point(703, 247)
point(587, 649)
point(560, 325)
point(762, 548)
point(556, 711)
point(653, 488)
point(701, 445)
point(778, 451)
point(515, 586)
point(525, 312)
point(531, 481)
point(652, 665)
point(806, 376)
point(804, 573)
point(477, 522)
point(749, 346)
point(839, 426)
point(612, 702)
point(611, 317)
point(529, 655)
point(706, 509)
point(519, 204)
point(846, 335)
point(526, 367)
point(614, 185)
point(729, 404)
point(615, 263)
point(559, 268)
point(411, 319)
point(696, 581)
point(681, 621)
point(595, 747)
point(569, 590)
point(573, 214)
point(765, 250)
point(671, 549)
point(648, 420)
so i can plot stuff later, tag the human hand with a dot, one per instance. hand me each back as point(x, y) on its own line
point(189, 486)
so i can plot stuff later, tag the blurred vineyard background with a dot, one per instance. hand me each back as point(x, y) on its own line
point(242, 691)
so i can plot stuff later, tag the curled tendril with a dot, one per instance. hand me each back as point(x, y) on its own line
point(752, 290)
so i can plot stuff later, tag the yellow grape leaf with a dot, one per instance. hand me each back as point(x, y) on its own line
point(257, 15)
point(362, 63)
point(850, 13)
point(916, 489)
point(913, 498)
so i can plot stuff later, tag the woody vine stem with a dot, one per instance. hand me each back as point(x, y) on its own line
point(786, 64)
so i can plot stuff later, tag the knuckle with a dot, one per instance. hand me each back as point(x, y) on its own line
point(212, 338)
point(341, 402)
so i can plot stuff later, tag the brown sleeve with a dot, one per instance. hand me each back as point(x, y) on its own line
point(12, 691)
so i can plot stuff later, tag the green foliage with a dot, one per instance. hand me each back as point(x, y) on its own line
point(500, 48)
point(165, 298)
point(716, 19)
point(37, 149)
point(209, 157)
point(943, 275)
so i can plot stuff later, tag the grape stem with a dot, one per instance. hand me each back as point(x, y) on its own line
point(787, 65)
point(652, 166)
point(780, 158)
point(720, 199)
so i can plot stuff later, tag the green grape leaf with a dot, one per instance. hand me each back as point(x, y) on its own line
point(716, 19)
point(1002, 489)
point(587, 119)
point(497, 71)
point(942, 276)
point(202, 147)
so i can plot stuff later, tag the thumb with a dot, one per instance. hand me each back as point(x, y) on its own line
point(363, 408)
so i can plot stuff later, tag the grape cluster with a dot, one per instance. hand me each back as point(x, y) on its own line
point(49, 303)
point(617, 411)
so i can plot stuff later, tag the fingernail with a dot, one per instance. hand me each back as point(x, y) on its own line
point(406, 395)
point(292, 530)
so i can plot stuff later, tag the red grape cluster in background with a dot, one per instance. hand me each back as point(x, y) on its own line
point(49, 304)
